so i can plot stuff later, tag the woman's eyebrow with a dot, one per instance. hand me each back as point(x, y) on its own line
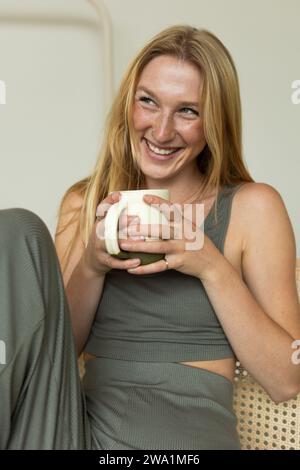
point(183, 103)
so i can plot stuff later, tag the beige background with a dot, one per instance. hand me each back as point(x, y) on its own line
point(52, 121)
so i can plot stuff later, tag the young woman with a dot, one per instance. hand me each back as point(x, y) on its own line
point(160, 339)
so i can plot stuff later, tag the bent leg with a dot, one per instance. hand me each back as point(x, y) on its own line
point(42, 404)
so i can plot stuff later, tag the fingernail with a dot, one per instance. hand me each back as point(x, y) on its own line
point(115, 195)
point(124, 245)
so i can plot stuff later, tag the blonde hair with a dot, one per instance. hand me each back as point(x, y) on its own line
point(221, 160)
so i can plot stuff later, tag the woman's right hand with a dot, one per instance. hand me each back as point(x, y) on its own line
point(95, 257)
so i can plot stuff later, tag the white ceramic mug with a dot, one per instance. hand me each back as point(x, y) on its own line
point(132, 202)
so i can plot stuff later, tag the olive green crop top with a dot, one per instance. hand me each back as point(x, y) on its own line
point(164, 316)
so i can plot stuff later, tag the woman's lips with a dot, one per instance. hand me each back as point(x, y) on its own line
point(155, 156)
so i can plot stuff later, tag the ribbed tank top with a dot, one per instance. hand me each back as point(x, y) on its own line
point(164, 316)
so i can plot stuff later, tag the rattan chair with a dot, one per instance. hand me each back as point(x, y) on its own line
point(263, 425)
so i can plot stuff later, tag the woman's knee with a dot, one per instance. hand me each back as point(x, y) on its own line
point(17, 222)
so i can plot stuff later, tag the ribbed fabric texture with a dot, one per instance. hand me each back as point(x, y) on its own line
point(42, 406)
point(164, 316)
point(158, 405)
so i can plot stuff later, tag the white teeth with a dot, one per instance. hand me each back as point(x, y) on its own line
point(159, 151)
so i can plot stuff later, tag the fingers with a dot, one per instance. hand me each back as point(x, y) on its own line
point(154, 231)
point(115, 263)
point(155, 246)
point(172, 211)
point(152, 268)
point(104, 205)
point(110, 261)
point(127, 220)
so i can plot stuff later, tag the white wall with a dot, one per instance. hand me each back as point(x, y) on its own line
point(51, 59)
point(56, 112)
point(263, 37)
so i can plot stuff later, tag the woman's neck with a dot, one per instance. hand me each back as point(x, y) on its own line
point(183, 192)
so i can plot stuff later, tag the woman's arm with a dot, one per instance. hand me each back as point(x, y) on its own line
point(83, 290)
point(260, 314)
point(83, 286)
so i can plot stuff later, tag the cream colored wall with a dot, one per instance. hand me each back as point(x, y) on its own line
point(264, 39)
point(52, 62)
point(51, 123)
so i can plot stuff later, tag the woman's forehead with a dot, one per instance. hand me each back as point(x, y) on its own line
point(165, 74)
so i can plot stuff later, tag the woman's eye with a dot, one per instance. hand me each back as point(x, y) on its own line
point(193, 111)
point(146, 100)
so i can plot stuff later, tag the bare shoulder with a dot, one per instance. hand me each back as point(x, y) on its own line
point(269, 253)
point(72, 201)
point(259, 207)
point(258, 195)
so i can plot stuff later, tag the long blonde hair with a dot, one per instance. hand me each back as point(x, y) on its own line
point(221, 161)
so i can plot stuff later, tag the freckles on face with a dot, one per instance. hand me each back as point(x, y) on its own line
point(167, 104)
point(192, 132)
point(140, 117)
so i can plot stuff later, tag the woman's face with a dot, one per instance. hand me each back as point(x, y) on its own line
point(167, 117)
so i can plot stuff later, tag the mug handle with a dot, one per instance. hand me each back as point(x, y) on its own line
point(111, 226)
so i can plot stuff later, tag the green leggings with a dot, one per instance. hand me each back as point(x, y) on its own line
point(42, 406)
point(121, 404)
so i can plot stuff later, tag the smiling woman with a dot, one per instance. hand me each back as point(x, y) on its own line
point(167, 124)
point(162, 338)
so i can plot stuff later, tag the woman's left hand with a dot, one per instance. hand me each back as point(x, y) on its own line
point(186, 247)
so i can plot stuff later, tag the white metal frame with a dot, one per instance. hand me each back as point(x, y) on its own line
point(108, 64)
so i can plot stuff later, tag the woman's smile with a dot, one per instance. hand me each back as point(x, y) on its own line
point(155, 153)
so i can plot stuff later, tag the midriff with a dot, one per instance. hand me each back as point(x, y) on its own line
point(223, 367)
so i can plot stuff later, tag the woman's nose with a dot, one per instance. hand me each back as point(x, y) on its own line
point(164, 129)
